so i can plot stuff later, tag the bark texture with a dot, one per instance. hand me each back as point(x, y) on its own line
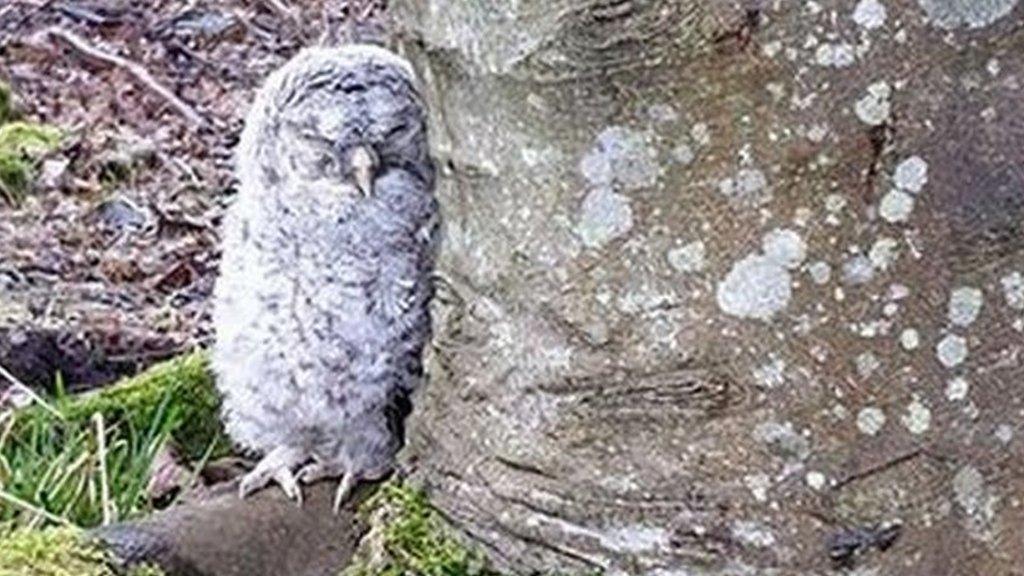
point(732, 287)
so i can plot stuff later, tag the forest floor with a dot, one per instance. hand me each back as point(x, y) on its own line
point(107, 263)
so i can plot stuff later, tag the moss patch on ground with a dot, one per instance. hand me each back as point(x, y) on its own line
point(184, 385)
point(22, 144)
point(409, 537)
point(88, 457)
point(58, 552)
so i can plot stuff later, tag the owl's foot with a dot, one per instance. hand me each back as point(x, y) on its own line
point(276, 466)
point(316, 471)
point(319, 470)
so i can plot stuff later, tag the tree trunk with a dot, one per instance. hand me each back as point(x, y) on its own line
point(732, 287)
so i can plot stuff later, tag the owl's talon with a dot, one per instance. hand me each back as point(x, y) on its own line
point(276, 466)
point(313, 472)
point(348, 482)
point(286, 480)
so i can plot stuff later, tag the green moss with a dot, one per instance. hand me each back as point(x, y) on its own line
point(57, 552)
point(21, 146)
point(184, 384)
point(28, 137)
point(410, 538)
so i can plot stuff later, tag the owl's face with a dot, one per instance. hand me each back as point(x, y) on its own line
point(319, 156)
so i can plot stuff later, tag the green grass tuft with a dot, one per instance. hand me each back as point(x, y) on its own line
point(410, 538)
point(57, 552)
point(21, 146)
point(50, 466)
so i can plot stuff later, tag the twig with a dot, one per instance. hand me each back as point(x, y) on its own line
point(18, 502)
point(282, 9)
point(30, 393)
point(878, 468)
point(143, 76)
point(101, 455)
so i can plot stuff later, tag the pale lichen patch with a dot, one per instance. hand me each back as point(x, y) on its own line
point(858, 269)
point(782, 440)
point(815, 480)
point(874, 107)
point(976, 501)
point(957, 388)
point(898, 292)
point(883, 253)
point(867, 363)
point(896, 206)
point(756, 287)
point(838, 55)
point(758, 484)
point(1013, 290)
point(784, 246)
point(870, 420)
point(623, 158)
point(771, 374)
point(951, 351)
point(952, 14)
point(759, 285)
point(964, 305)
point(820, 272)
point(604, 216)
point(753, 533)
point(748, 185)
point(911, 174)
point(869, 14)
point(993, 67)
point(688, 258)
point(683, 154)
point(701, 134)
point(918, 418)
point(910, 339)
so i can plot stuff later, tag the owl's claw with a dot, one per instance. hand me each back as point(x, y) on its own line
point(316, 471)
point(319, 470)
point(276, 466)
point(348, 482)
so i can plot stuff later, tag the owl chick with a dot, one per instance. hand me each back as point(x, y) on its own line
point(321, 305)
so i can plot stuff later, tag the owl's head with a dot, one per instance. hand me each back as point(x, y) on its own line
point(338, 119)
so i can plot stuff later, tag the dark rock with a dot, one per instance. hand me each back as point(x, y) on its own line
point(264, 535)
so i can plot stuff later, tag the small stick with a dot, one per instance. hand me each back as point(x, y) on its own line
point(31, 393)
point(143, 76)
point(101, 454)
point(280, 8)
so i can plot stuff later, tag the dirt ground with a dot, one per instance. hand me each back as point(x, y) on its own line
point(108, 265)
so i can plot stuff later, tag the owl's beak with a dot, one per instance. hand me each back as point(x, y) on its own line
point(364, 180)
point(363, 169)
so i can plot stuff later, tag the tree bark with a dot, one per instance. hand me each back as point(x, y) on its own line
point(731, 287)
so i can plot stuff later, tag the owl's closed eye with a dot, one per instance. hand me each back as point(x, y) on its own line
point(313, 156)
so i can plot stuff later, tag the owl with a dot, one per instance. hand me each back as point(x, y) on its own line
point(321, 305)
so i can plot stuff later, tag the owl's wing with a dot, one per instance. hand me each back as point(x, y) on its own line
point(405, 287)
